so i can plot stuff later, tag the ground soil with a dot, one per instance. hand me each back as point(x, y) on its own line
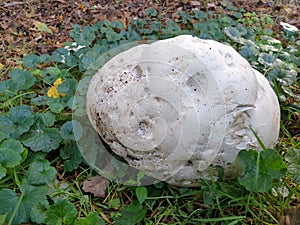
point(19, 19)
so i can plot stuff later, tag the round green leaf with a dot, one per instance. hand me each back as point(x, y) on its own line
point(233, 34)
point(40, 172)
point(62, 212)
point(42, 139)
point(31, 60)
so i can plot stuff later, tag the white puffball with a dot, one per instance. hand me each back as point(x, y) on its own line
point(177, 107)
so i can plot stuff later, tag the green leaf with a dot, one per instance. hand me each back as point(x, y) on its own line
point(234, 34)
point(117, 24)
point(132, 214)
point(46, 58)
point(260, 168)
point(41, 137)
point(200, 15)
point(115, 203)
point(92, 218)
point(272, 164)
point(31, 61)
point(71, 61)
point(60, 54)
point(17, 122)
point(10, 155)
point(268, 60)
point(151, 12)
point(42, 27)
point(88, 59)
point(72, 156)
point(40, 172)
point(155, 26)
point(67, 130)
point(44, 140)
point(8, 201)
point(68, 87)
point(62, 212)
point(141, 194)
point(30, 196)
point(46, 119)
point(2, 219)
point(21, 79)
point(38, 212)
point(3, 171)
point(293, 158)
point(2, 135)
point(185, 17)
point(55, 107)
point(51, 74)
point(13, 144)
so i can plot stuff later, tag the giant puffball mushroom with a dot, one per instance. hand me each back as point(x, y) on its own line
point(180, 107)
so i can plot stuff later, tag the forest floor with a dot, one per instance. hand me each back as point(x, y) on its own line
point(39, 27)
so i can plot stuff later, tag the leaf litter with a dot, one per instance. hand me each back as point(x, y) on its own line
point(96, 185)
point(42, 26)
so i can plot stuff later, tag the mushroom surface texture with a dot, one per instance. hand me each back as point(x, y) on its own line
point(180, 107)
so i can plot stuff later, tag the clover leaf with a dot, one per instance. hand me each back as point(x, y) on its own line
point(45, 139)
point(22, 204)
point(72, 156)
point(41, 137)
point(20, 80)
point(40, 172)
point(10, 155)
point(38, 212)
point(234, 34)
point(67, 130)
point(31, 60)
point(260, 169)
point(132, 214)
point(293, 158)
point(92, 218)
point(17, 121)
point(62, 212)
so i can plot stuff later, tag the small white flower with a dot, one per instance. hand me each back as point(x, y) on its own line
point(289, 27)
point(74, 47)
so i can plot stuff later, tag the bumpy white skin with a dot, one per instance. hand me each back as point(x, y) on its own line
point(177, 107)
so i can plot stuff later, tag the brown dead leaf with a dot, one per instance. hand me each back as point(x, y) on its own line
point(96, 185)
point(195, 3)
point(211, 5)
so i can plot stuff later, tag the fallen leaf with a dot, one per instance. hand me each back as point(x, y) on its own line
point(42, 27)
point(211, 5)
point(96, 185)
point(196, 3)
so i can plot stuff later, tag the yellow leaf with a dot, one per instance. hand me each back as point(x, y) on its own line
point(42, 27)
point(1, 66)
